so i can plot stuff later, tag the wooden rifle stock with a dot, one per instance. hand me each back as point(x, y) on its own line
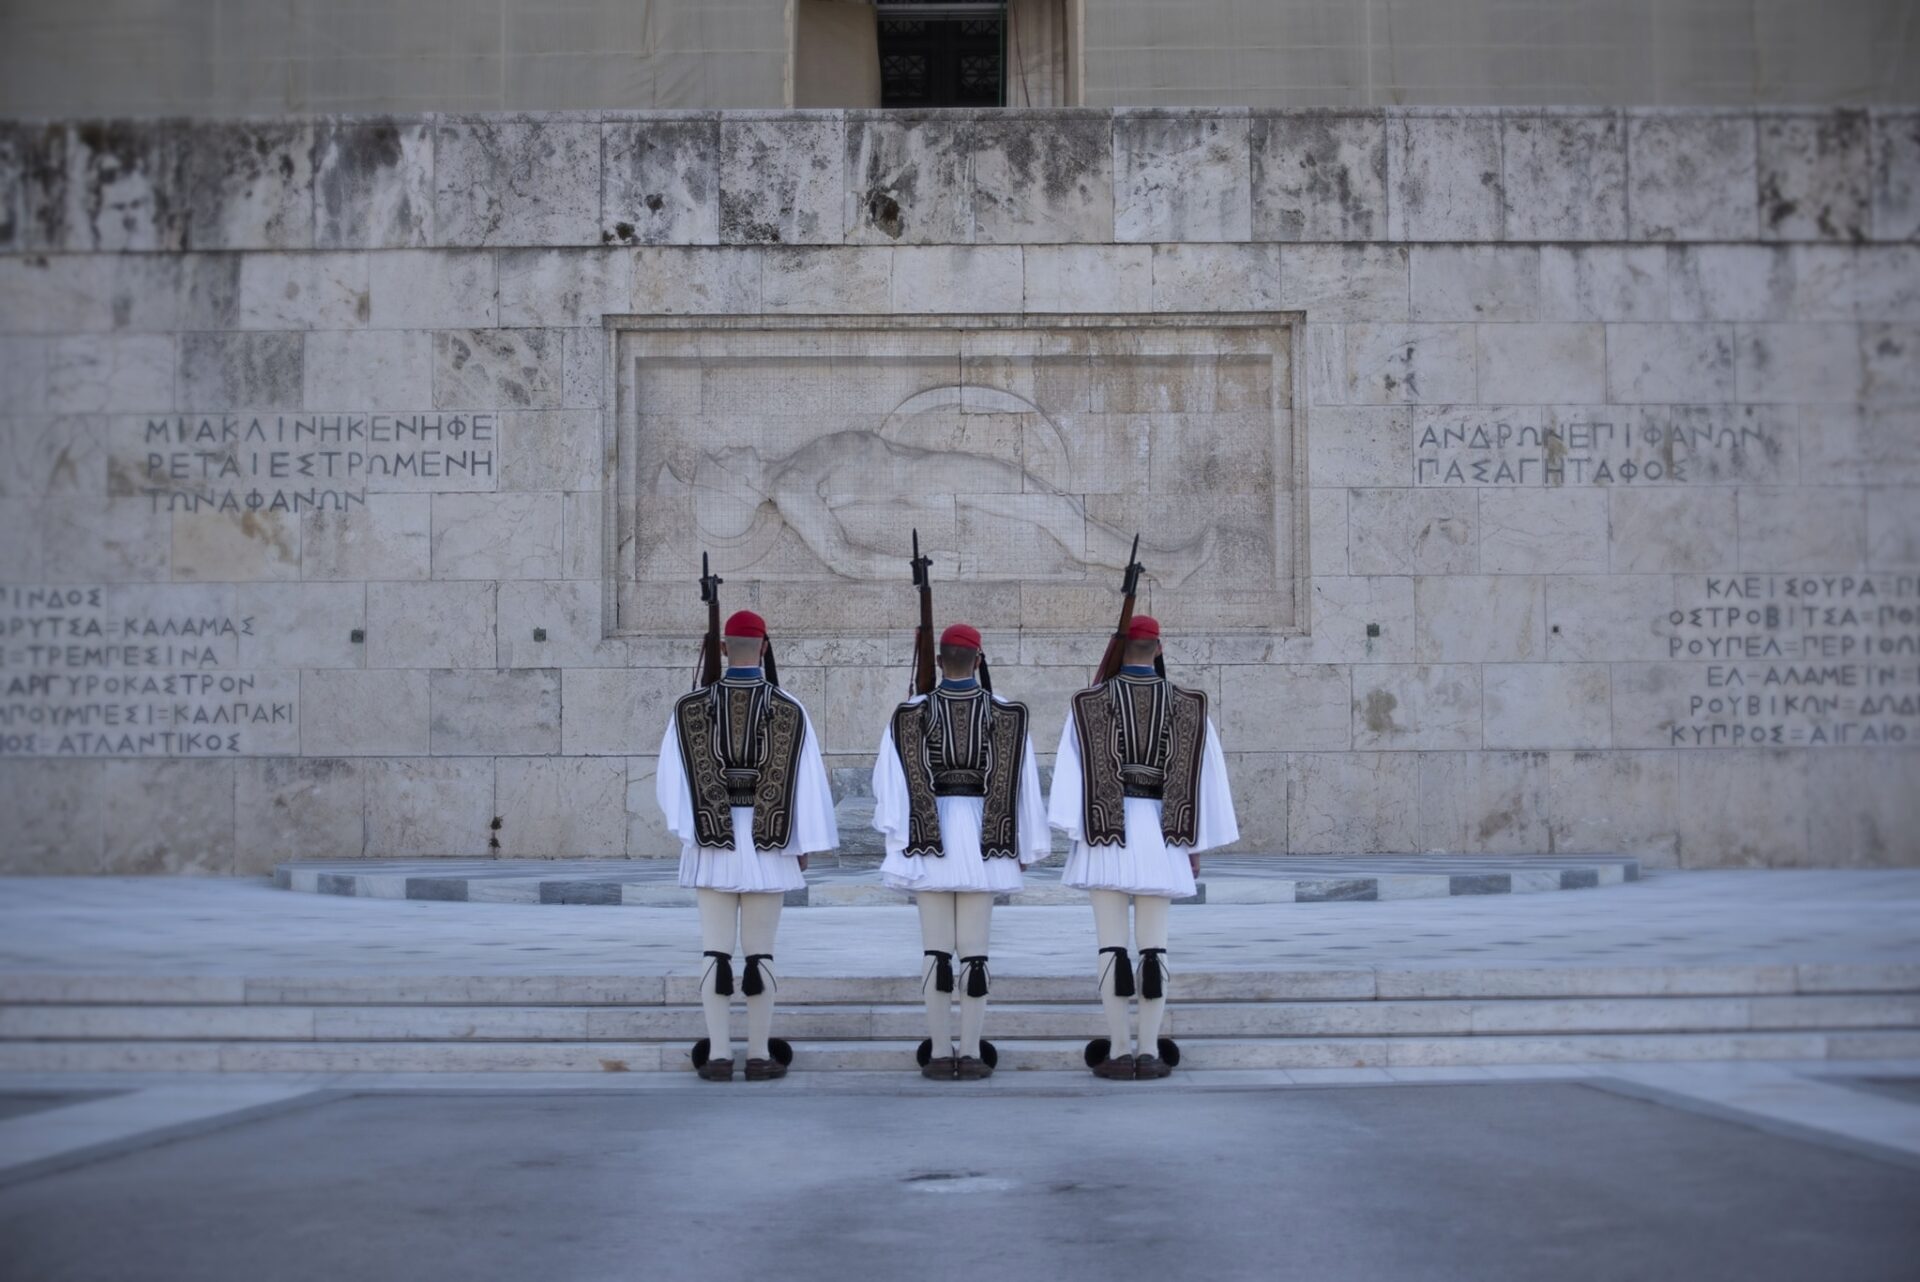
point(923, 678)
point(710, 648)
point(1117, 645)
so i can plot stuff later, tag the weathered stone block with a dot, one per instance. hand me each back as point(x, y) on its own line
point(1034, 187)
point(1692, 177)
point(54, 816)
point(1548, 705)
point(516, 712)
point(1410, 364)
point(167, 817)
point(1814, 176)
point(1480, 618)
point(110, 373)
point(302, 625)
point(1088, 278)
point(1603, 283)
point(909, 179)
point(497, 369)
point(1810, 528)
point(372, 713)
point(956, 278)
point(303, 291)
point(1762, 282)
point(552, 450)
point(1346, 610)
point(696, 280)
point(647, 835)
point(505, 181)
point(1609, 616)
point(825, 280)
point(1565, 177)
point(1864, 807)
point(1615, 802)
point(1541, 363)
point(387, 537)
point(369, 369)
point(1781, 364)
point(297, 808)
point(582, 541)
point(565, 807)
point(107, 186)
point(1327, 531)
point(225, 547)
point(429, 807)
point(430, 625)
point(1345, 283)
point(250, 184)
point(1286, 707)
point(1358, 802)
point(569, 612)
point(1895, 147)
point(1745, 808)
point(1672, 530)
point(95, 540)
point(1666, 363)
point(1416, 706)
point(1200, 278)
point(618, 711)
point(1475, 282)
point(1360, 446)
point(1413, 531)
point(1319, 177)
point(1443, 178)
point(660, 182)
point(781, 180)
point(1893, 529)
point(562, 287)
point(1491, 802)
point(241, 371)
point(1260, 800)
point(372, 185)
point(496, 536)
point(436, 289)
point(1893, 375)
point(1545, 531)
point(1181, 177)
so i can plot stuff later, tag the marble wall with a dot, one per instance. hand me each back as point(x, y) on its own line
point(1583, 512)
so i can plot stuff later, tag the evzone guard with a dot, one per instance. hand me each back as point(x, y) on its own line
point(741, 783)
point(1140, 789)
point(957, 796)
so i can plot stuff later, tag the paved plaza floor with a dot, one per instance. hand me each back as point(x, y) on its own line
point(1483, 1181)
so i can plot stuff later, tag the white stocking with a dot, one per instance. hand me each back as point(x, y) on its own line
point(1150, 931)
point(1110, 929)
point(717, 913)
point(973, 917)
point(936, 935)
point(759, 923)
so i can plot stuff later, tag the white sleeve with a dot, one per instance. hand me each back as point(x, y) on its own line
point(890, 793)
point(1218, 825)
point(815, 827)
point(1064, 803)
point(1030, 810)
point(670, 785)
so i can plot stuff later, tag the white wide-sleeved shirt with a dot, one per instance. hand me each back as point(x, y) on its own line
point(742, 869)
point(961, 867)
point(1146, 864)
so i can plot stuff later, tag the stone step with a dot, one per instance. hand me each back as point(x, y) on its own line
point(1357, 984)
point(897, 1056)
point(862, 1022)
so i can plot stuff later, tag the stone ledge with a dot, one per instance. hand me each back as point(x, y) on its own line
point(653, 883)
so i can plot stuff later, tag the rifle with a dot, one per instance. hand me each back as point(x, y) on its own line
point(923, 679)
point(709, 649)
point(1117, 646)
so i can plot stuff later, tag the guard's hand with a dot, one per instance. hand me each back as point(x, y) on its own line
point(1193, 862)
point(803, 863)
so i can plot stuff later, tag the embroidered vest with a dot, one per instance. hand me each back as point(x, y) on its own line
point(1140, 737)
point(740, 744)
point(962, 745)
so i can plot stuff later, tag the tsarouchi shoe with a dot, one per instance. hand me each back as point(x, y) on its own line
point(940, 1069)
point(765, 1070)
point(1149, 1067)
point(968, 1068)
point(1115, 1068)
point(719, 1070)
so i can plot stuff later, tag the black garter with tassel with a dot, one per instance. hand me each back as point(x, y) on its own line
point(723, 972)
point(942, 972)
point(1122, 972)
point(976, 975)
point(1152, 974)
point(755, 984)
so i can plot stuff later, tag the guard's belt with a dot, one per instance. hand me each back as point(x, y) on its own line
point(959, 783)
point(742, 783)
point(1143, 781)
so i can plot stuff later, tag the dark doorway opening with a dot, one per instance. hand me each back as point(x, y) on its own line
point(936, 54)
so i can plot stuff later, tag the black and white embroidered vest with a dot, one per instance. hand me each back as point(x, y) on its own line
point(1140, 737)
point(964, 744)
point(740, 744)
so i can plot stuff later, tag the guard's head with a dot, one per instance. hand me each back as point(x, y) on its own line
point(743, 639)
point(1143, 640)
point(959, 652)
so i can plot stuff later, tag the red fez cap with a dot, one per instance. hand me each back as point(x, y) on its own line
point(744, 623)
point(1142, 627)
point(961, 634)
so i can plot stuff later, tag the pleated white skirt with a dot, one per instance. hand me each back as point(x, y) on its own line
point(742, 870)
point(962, 867)
point(1146, 865)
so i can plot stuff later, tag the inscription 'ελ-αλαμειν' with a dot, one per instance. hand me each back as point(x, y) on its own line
point(300, 462)
point(110, 671)
point(1796, 661)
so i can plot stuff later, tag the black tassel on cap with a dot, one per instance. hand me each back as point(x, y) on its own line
point(1122, 972)
point(976, 975)
point(942, 971)
point(771, 668)
point(755, 983)
point(986, 674)
point(723, 972)
point(1160, 665)
point(1152, 973)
